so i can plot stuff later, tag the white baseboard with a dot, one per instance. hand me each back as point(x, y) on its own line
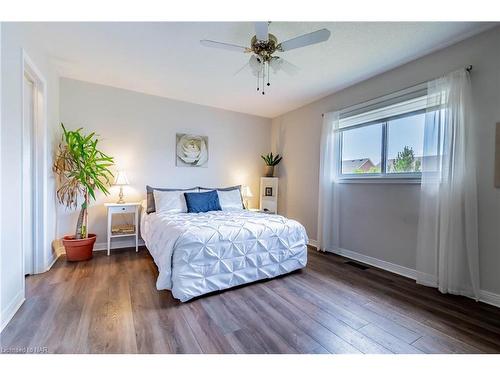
point(313, 243)
point(52, 262)
point(11, 309)
point(427, 280)
point(490, 298)
point(388, 266)
point(55, 256)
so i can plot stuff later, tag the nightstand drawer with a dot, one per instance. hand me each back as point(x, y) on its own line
point(122, 209)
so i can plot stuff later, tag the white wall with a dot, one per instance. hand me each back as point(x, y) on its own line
point(139, 131)
point(14, 40)
point(380, 220)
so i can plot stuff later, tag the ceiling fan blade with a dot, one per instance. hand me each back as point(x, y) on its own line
point(241, 69)
point(280, 64)
point(256, 65)
point(226, 46)
point(289, 68)
point(305, 40)
point(262, 31)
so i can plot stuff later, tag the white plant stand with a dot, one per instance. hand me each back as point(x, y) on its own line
point(269, 202)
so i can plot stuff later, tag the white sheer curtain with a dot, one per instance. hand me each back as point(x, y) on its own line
point(447, 243)
point(328, 205)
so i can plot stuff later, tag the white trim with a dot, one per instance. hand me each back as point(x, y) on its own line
point(313, 243)
point(424, 279)
point(2, 320)
point(379, 180)
point(489, 298)
point(53, 262)
point(1, 198)
point(40, 176)
point(388, 266)
point(9, 312)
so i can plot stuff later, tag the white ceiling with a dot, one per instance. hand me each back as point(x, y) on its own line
point(166, 58)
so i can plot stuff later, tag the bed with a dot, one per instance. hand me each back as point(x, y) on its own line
point(199, 253)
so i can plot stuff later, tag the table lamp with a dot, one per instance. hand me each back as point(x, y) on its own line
point(245, 194)
point(121, 180)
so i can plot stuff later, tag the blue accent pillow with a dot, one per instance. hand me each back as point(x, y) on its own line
point(202, 202)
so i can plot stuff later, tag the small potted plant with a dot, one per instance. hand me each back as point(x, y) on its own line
point(271, 161)
point(82, 170)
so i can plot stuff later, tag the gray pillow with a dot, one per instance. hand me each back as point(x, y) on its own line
point(237, 187)
point(150, 198)
point(222, 189)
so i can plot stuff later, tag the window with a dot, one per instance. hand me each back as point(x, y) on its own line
point(361, 150)
point(384, 141)
point(405, 144)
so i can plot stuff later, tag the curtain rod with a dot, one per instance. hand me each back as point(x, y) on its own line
point(468, 68)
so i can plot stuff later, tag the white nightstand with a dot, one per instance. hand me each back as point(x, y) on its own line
point(123, 208)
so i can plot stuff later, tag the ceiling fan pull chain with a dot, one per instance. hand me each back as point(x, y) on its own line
point(258, 80)
point(268, 73)
point(263, 77)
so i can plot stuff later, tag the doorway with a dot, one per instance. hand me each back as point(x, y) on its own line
point(33, 167)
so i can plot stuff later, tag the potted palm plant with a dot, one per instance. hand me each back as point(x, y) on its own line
point(82, 170)
point(271, 161)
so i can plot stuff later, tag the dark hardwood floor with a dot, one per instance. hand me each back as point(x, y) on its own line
point(111, 305)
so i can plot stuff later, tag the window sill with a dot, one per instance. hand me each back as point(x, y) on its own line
point(379, 180)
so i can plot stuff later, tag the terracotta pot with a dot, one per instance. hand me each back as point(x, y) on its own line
point(77, 250)
point(269, 170)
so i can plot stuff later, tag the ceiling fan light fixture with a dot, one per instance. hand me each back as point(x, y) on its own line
point(263, 45)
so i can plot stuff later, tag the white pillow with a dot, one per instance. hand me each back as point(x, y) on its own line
point(172, 202)
point(230, 199)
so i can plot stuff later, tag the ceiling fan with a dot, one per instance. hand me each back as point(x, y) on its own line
point(263, 47)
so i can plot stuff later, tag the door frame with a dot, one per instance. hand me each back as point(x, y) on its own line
point(1, 166)
point(38, 138)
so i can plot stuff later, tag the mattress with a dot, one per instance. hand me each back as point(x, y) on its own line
point(198, 253)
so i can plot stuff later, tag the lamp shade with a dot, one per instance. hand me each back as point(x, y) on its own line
point(121, 178)
point(246, 192)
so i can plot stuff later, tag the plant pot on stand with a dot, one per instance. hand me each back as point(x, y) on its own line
point(269, 170)
point(271, 161)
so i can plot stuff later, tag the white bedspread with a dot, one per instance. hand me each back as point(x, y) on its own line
point(205, 252)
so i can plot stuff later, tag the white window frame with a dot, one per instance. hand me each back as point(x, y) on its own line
point(350, 120)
